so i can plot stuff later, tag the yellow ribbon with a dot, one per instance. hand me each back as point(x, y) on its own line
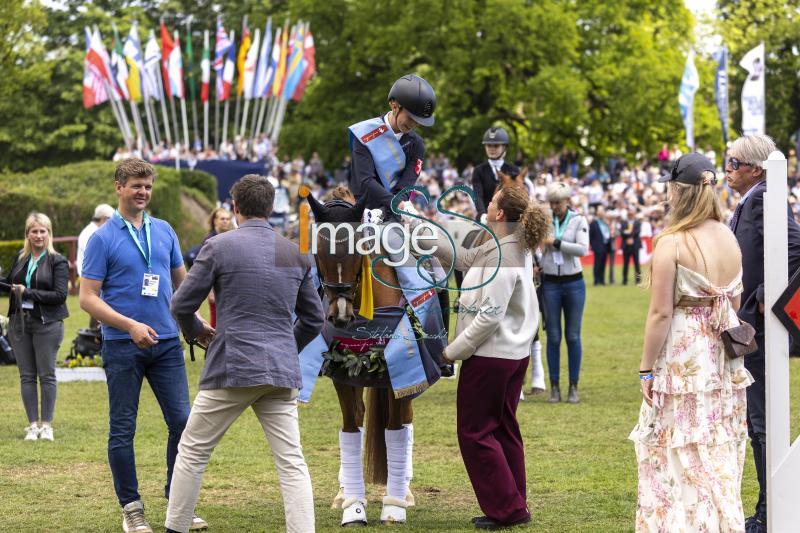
point(366, 308)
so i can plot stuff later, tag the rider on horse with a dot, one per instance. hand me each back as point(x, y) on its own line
point(484, 176)
point(386, 157)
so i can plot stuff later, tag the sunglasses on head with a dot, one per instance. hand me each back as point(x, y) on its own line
point(735, 163)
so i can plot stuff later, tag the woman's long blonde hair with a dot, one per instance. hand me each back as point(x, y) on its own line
point(37, 219)
point(689, 206)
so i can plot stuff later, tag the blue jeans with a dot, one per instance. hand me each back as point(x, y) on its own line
point(567, 297)
point(126, 365)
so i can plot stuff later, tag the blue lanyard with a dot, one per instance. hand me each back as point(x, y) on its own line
point(32, 264)
point(132, 231)
point(560, 230)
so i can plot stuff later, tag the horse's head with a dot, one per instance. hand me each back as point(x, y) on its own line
point(339, 270)
point(505, 181)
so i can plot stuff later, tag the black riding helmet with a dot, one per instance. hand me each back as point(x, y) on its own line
point(416, 96)
point(495, 136)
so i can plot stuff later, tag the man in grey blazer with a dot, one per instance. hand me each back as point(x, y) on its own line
point(260, 279)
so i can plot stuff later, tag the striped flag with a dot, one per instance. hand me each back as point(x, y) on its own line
point(228, 72)
point(94, 91)
point(152, 57)
point(310, 66)
point(166, 49)
point(244, 49)
point(205, 67)
point(133, 55)
point(119, 69)
point(273, 63)
point(250, 66)
point(98, 55)
point(176, 69)
point(260, 84)
point(294, 66)
point(280, 72)
point(220, 51)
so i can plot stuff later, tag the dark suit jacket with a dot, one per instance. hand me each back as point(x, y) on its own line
point(635, 231)
point(260, 279)
point(749, 231)
point(596, 240)
point(484, 183)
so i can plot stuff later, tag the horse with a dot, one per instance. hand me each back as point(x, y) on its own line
point(341, 275)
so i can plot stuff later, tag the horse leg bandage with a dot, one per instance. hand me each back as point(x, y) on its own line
point(352, 470)
point(341, 470)
point(537, 371)
point(397, 446)
point(409, 452)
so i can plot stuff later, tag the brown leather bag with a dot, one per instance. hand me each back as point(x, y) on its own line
point(739, 341)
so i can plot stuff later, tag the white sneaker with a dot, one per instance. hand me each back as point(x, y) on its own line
point(354, 513)
point(133, 518)
point(198, 524)
point(32, 432)
point(46, 433)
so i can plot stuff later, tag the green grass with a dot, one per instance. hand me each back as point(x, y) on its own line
point(580, 465)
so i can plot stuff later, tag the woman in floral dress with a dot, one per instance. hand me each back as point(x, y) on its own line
point(690, 439)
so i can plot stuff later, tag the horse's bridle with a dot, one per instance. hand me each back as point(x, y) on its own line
point(340, 290)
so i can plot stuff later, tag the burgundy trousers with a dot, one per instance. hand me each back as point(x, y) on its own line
point(489, 436)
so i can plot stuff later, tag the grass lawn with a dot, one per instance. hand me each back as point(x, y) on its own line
point(580, 465)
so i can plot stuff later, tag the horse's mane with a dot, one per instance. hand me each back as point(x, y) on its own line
point(339, 202)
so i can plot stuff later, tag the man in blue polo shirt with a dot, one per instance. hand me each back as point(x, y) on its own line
point(131, 266)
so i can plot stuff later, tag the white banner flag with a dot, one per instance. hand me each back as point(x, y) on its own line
point(689, 84)
point(753, 101)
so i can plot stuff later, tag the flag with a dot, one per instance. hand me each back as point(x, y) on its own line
point(205, 67)
point(244, 48)
point(136, 74)
point(310, 66)
point(273, 63)
point(753, 102)
point(228, 71)
point(190, 68)
point(166, 49)
point(721, 90)
point(119, 69)
point(294, 65)
point(94, 91)
point(260, 83)
point(280, 72)
point(152, 58)
point(176, 69)
point(689, 84)
point(220, 51)
point(250, 66)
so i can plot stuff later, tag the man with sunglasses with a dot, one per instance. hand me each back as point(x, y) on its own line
point(744, 174)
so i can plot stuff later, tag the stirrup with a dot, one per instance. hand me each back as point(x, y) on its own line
point(394, 511)
point(354, 513)
point(339, 499)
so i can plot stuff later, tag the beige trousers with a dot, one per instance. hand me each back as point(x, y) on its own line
point(212, 414)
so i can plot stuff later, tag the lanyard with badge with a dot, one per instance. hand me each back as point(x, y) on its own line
point(150, 280)
point(32, 265)
point(558, 257)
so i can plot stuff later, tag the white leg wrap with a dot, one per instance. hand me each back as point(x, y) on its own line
point(397, 445)
point(341, 475)
point(352, 469)
point(537, 371)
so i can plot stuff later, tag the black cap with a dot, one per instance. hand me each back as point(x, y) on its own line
point(689, 169)
point(495, 136)
point(416, 96)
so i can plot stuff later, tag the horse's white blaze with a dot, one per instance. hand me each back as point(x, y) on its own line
point(339, 271)
point(341, 303)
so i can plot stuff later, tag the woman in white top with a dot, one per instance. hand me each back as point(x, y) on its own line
point(498, 315)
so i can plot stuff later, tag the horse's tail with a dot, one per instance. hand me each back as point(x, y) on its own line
point(375, 446)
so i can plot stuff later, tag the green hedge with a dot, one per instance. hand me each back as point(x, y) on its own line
point(203, 182)
point(8, 249)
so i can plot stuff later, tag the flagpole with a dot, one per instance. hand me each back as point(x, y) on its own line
point(276, 131)
point(149, 123)
point(216, 122)
point(205, 124)
point(253, 125)
point(163, 104)
point(272, 114)
point(226, 107)
point(115, 111)
point(238, 96)
point(260, 121)
point(175, 123)
point(192, 94)
point(154, 115)
point(137, 122)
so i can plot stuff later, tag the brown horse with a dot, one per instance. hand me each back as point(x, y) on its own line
point(341, 276)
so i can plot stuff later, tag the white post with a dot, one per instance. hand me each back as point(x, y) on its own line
point(783, 457)
point(185, 124)
point(205, 125)
point(163, 104)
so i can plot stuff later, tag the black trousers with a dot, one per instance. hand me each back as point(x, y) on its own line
point(757, 421)
point(630, 252)
point(600, 258)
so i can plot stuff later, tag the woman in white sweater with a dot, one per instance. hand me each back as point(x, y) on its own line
point(498, 315)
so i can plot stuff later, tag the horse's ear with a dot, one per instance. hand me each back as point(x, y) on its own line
point(522, 175)
point(319, 210)
point(502, 179)
point(358, 208)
